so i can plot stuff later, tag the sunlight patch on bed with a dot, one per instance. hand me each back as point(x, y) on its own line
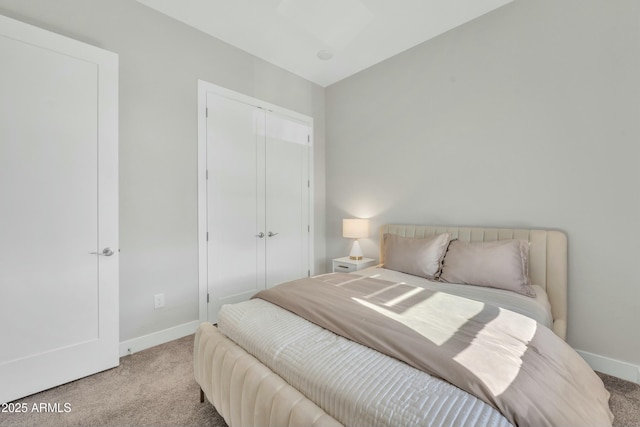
point(385, 289)
point(494, 372)
point(421, 316)
point(403, 297)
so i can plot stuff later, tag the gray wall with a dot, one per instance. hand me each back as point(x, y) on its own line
point(526, 117)
point(160, 63)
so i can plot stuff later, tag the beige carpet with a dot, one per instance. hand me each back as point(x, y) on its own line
point(156, 388)
point(624, 401)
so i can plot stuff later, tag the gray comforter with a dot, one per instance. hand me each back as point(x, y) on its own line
point(505, 359)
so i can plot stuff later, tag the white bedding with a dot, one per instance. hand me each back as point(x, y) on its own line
point(336, 373)
point(537, 308)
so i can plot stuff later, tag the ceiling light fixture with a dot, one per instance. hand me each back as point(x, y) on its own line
point(325, 55)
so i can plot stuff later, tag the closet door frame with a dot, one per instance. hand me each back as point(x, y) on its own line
point(204, 88)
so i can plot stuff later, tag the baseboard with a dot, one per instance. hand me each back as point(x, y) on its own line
point(613, 367)
point(146, 341)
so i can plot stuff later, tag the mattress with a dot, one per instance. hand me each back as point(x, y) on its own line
point(537, 308)
point(354, 384)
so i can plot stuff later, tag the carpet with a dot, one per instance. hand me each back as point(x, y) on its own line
point(155, 387)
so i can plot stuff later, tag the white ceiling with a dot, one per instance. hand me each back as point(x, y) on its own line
point(358, 33)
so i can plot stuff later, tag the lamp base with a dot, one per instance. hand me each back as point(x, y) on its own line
point(356, 252)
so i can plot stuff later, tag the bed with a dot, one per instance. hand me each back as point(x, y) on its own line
point(266, 365)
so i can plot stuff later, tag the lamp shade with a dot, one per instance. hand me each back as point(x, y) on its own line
point(355, 228)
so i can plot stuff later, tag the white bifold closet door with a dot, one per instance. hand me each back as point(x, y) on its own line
point(257, 200)
point(286, 199)
point(58, 210)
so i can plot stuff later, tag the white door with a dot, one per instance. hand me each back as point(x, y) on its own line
point(257, 200)
point(58, 204)
point(235, 201)
point(287, 199)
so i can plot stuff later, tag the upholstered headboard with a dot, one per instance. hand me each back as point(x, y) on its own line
point(547, 257)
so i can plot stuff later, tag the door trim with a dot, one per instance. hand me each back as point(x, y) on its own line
point(204, 88)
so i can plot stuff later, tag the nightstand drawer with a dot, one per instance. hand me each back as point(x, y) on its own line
point(343, 267)
point(348, 265)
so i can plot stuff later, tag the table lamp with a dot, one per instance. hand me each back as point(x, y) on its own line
point(355, 228)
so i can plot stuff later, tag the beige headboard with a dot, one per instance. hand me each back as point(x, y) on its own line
point(547, 257)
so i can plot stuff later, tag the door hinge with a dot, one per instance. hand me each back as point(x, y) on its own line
point(308, 183)
point(207, 236)
point(206, 112)
point(308, 228)
point(308, 273)
point(207, 173)
point(207, 297)
point(308, 138)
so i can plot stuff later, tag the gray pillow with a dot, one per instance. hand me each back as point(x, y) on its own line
point(420, 257)
point(503, 264)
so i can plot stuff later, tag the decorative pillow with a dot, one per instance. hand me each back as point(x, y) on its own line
point(502, 264)
point(420, 257)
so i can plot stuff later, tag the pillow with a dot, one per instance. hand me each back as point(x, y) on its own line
point(420, 257)
point(503, 264)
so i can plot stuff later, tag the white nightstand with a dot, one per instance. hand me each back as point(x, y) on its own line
point(346, 264)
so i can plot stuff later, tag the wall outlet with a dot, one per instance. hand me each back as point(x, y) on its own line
point(158, 300)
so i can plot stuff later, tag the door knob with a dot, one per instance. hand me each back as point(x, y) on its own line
point(261, 235)
point(270, 234)
point(105, 252)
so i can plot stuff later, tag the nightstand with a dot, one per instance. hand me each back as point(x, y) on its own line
point(346, 264)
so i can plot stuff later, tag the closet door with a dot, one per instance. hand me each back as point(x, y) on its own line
point(257, 199)
point(58, 210)
point(287, 199)
point(235, 201)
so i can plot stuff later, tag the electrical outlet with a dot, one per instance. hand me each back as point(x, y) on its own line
point(158, 300)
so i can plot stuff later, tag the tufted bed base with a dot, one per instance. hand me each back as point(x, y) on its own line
point(244, 391)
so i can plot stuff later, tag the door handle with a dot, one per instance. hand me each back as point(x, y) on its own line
point(270, 234)
point(261, 235)
point(105, 252)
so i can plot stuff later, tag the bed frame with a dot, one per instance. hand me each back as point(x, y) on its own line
point(247, 393)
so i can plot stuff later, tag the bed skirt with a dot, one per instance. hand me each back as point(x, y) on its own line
point(244, 391)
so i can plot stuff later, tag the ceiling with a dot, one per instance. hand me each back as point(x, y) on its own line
point(356, 34)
